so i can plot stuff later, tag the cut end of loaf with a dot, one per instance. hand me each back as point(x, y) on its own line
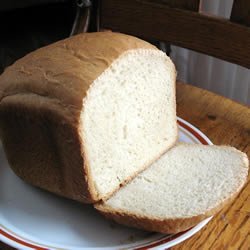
point(186, 185)
point(129, 118)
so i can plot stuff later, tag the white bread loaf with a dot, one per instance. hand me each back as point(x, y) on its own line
point(186, 185)
point(84, 115)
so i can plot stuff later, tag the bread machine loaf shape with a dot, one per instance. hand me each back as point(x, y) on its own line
point(83, 116)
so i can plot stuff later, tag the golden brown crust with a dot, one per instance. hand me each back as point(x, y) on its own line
point(40, 132)
point(41, 97)
point(166, 226)
point(64, 70)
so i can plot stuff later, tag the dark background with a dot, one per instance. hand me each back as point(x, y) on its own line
point(24, 29)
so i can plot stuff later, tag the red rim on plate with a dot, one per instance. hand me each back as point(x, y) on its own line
point(182, 123)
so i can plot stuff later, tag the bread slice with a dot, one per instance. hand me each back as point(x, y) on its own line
point(84, 115)
point(186, 185)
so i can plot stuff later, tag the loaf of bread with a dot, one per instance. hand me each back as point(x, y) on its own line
point(83, 116)
point(186, 185)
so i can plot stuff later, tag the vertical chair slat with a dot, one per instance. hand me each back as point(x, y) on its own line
point(241, 12)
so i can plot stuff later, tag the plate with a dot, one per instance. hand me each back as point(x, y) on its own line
point(34, 219)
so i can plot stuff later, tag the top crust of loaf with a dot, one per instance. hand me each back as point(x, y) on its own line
point(63, 71)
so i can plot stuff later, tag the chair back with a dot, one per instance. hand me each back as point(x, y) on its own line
point(179, 22)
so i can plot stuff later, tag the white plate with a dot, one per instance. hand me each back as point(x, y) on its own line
point(34, 219)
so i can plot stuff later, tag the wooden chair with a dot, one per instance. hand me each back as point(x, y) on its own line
point(222, 120)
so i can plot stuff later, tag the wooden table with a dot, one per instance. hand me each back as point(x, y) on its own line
point(224, 122)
